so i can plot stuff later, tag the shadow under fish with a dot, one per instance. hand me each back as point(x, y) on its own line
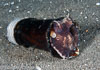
point(59, 36)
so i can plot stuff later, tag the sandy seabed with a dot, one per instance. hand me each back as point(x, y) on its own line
point(85, 12)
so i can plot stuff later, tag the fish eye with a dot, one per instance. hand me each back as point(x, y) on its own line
point(53, 34)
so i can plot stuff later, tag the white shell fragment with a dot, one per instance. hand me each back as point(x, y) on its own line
point(10, 11)
point(98, 4)
point(0, 27)
point(12, 3)
point(37, 68)
point(10, 31)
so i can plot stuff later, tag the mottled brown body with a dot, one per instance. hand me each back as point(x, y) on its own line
point(32, 31)
point(65, 41)
point(60, 35)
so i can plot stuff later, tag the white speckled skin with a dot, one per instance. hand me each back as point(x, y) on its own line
point(10, 31)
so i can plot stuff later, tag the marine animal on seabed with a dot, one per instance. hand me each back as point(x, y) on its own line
point(58, 36)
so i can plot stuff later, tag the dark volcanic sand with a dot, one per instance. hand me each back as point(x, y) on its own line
point(85, 12)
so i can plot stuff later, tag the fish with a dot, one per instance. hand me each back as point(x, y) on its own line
point(59, 36)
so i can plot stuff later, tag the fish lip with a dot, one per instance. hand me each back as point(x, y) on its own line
point(64, 55)
point(75, 54)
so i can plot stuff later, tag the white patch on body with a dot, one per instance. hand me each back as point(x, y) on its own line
point(10, 31)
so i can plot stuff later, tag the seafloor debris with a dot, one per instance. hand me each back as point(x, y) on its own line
point(98, 4)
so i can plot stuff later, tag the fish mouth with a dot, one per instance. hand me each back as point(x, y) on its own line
point(76, 53)
point(63, 38)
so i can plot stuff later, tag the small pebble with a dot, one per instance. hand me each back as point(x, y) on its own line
point(98, 4)
point(37, 68)
point(44, 18)
point(85, 17)
point(50, 2)
point(81, 13)
point(87, 6)
point(97, 19)
point(12, 3)
point(85, 64)
point(10, 10)
point(12, 64)
point(0, 39)
point(41, 53)
point(6, 4)
point(17, 7)
point(19, 0)
point(68, 10)
point(36, 56)
point(0, 27)
point(64, 11)
point(48, 65)
point(81, 0)
point(87, 59)
point(93, 13)
point(86, 30)
point(28, 11)
point(84, 40)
